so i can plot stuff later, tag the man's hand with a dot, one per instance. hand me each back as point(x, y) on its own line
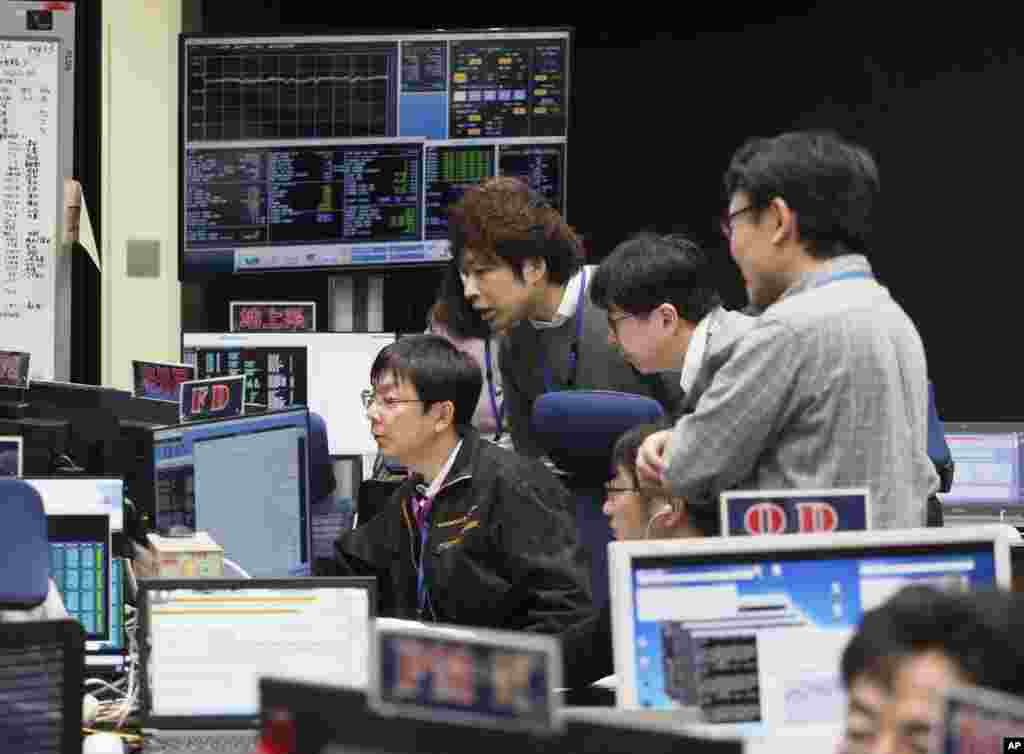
point(650, 459)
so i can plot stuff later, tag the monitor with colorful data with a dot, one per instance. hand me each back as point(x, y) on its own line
point(750, 630)
point(344, 151)
point(80, 567)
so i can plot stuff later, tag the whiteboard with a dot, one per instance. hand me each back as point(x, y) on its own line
point(29, 184)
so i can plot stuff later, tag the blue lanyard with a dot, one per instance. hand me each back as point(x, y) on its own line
point(499, 411)
point(574, 349)
point(423, 525)
point(850, 275)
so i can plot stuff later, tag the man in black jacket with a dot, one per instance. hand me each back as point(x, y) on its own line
point(477, 535)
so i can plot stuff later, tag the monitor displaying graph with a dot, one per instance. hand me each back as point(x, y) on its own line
point(342, 151)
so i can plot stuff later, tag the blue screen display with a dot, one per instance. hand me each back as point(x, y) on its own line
point(701, 628)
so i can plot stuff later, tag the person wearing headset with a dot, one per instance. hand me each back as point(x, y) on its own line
point(636, 512)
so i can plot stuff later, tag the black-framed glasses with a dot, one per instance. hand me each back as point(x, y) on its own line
point(729, 218)
point(370, 397)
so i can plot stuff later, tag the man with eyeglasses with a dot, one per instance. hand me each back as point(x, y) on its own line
point(477, 535)
point(829, 388)
point(663, 312)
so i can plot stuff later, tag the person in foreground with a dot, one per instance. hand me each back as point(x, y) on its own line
point(477, 535)
point(911, 649)
point(830, 386)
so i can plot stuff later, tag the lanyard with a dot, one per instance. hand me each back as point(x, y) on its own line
point(574, 349)
point(422, 515)
point(499, 411)
point(850, 275)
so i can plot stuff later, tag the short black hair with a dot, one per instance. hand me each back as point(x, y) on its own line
point(703, 518)
point(980, 633)
point(649, 270)
point(831, 184)
point(437, 369)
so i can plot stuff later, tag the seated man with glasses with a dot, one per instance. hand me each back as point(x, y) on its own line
point(830, 386)
point(477, 535)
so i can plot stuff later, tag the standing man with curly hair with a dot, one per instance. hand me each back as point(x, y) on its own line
point(520, 270)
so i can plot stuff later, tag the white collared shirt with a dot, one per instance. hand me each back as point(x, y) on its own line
point(695, 351)
point(443, 474)
point(567, 308)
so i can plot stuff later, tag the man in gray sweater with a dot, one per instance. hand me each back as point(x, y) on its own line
point(520, 271)
point(830, 387)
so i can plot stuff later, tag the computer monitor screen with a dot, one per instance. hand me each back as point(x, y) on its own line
point(476, 677)
point(307, 152)
point(159, 381)
point(244, 481)
point(206, 643)
point(80, 567)
point(750, 630)
point(109, 655)
point(987, 476)
point(325, 371)
point(82, 494)
point(450, 168)
point(541, 165)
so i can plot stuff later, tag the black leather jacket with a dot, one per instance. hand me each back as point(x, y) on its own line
point(501, 549)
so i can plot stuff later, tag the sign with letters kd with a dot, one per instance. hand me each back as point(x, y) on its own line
point(215, 398)
point(754, 512)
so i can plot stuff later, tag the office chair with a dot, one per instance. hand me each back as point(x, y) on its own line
point(41, 669)
point(25, 573)
point(578, 430)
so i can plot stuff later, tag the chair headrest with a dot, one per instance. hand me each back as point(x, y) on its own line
point(321, 470)
point(578, 428)
point(25, 572)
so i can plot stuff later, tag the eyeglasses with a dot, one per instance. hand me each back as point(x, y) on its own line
point(620, 490)
point(613, 322)
point(729, 218)
point(369, 397)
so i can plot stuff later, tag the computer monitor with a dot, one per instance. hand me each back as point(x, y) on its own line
point(540, 164)
point(206, 643)
point(108, 656)
point(64, 495)
point(750, 630)
point(988, 475)
point(497, 679)
point(325, 371)
point(158, 380)
point(80, 567)
point(245, 481)
point(308, 152)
